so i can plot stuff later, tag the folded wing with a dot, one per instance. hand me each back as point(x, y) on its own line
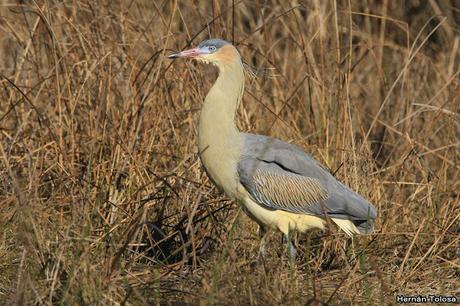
point(280, 176)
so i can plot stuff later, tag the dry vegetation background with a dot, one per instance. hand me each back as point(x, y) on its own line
point(103, 199)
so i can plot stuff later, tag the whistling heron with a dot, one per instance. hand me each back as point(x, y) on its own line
point(279, 185)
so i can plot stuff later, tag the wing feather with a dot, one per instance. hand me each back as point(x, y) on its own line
point(276, 188)
point(287, 189)
point(281, 176)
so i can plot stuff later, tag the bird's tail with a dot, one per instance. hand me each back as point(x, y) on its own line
point(355, 227)
point(347, 226)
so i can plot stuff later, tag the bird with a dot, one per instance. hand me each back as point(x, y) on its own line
point(279, 185)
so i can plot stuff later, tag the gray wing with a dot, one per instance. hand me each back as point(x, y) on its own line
point(276, 188)
point(281, 176)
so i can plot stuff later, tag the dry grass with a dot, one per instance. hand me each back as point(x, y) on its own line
point(103, 199)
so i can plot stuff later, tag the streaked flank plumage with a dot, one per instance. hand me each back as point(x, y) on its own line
point(279, 189)
point(279, 185)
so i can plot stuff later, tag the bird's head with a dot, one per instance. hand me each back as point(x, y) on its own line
point(214, 51)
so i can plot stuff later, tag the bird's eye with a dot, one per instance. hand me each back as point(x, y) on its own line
point(212, 48)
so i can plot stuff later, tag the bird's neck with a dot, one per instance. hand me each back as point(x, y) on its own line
point(217, 120)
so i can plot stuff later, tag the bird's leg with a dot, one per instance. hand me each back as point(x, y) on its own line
point(261, 231)
point(290, 247)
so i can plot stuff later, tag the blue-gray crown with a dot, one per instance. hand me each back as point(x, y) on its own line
point(216, 42)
